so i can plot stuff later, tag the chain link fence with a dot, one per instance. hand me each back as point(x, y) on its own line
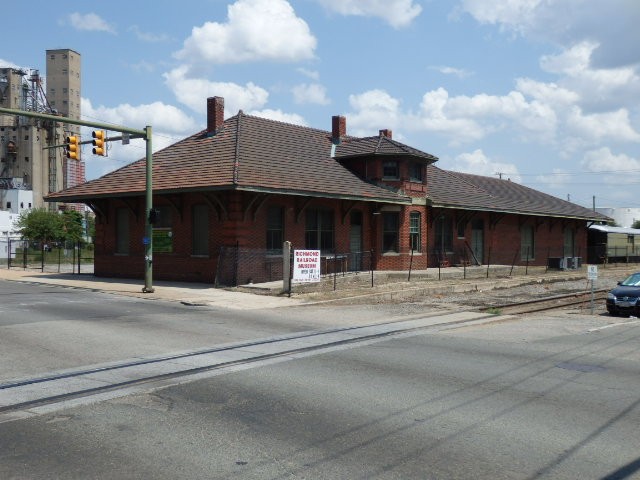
point(55, 257)
point(242, 266)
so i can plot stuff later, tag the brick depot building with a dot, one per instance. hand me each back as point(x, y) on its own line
point(247, 184)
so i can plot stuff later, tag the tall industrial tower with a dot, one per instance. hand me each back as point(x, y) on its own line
point(30, 157)
point(64, 77)
point(24, 165)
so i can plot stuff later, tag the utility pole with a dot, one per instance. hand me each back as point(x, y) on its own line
point(128, 133)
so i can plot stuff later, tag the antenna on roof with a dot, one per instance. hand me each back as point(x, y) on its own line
point(499, 174)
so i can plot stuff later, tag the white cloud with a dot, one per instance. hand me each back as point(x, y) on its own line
point(457, 72)
point(597, 127)
point(310, 93)
point(255, 30)
point(613, 169)
point(312, 74)
point(148, 36)
point(398, 13)
point(600, 88)
point(547, 93)
point(279, 116)
point(478, 163)
point(432, 117)
point(162, 117)
point(168, 122)
point(193, 92)
point(374, 110)
point(90, 22)
point(610, 25)
point(557, 178)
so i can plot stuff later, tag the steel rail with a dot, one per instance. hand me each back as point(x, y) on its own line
point(45, 400)
point(549, 303)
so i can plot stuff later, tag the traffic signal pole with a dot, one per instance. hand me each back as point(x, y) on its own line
point(132, 133)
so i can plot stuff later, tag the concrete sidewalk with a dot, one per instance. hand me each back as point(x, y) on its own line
point(187, 293)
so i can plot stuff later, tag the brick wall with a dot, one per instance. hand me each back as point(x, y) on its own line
point(245, 224)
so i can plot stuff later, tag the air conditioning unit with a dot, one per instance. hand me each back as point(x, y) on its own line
point(572, 263)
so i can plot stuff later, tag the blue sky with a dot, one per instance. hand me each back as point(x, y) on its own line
point(544, 92)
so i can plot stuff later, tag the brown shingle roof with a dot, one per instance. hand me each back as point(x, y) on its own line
point(475, 192)
point(248, 153)
point(381, 145)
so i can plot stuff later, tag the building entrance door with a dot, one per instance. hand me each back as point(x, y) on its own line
point(355, 242)
point(477, 240)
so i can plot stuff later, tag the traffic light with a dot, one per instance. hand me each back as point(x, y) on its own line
point(73, 147)
point(99, 142)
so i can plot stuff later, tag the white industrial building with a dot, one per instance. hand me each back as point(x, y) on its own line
point(624, 217)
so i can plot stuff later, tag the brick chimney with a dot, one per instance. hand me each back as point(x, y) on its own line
point(386, 133)
point(338, 128)
point(215, 114)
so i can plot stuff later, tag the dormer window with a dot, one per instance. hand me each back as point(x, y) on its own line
point(415, 172)
point(390, 170)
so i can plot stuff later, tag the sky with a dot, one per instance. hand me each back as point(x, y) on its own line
point(542, 92)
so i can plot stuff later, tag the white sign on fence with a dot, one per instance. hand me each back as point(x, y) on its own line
point(306, 266)
point(592, 272)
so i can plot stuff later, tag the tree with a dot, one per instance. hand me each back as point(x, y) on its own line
point(40, 225)
point(636, 224)
point(72, 229)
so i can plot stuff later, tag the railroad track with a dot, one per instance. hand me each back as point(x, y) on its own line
point(56, 387)
point(581, 299)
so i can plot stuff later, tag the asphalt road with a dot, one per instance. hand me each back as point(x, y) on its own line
point(538, 397)
point(47, 328)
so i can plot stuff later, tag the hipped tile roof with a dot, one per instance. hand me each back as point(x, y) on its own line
point(449, 189)
point(247, 153)
point(256, 154)
point(380, 145)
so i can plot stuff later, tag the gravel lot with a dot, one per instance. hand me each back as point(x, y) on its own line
point(488, 296)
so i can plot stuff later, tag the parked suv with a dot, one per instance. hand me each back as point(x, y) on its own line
point(624, 299)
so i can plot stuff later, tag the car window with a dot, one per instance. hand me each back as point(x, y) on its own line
point(632, 281)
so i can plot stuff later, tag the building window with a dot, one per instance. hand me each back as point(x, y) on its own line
point(319, 230)
point(162, 230)
point(275, 229)
point(415, 237)
point(122, 231)
point(390, 170)
point(569, 243)
point(443, 241)
point(8, 205)
point(527, 243)
point(390, 232)
point(200, 230)
point(415, 172)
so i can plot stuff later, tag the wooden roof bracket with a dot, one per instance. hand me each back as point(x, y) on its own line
point(464, 219)
point(132, 205)
point(436, 213)
point(495, 218)
point(302, 209)
point(98, 210)
point(347, 211)
point(216, 204)
point(176, 202)
point(259, 200)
